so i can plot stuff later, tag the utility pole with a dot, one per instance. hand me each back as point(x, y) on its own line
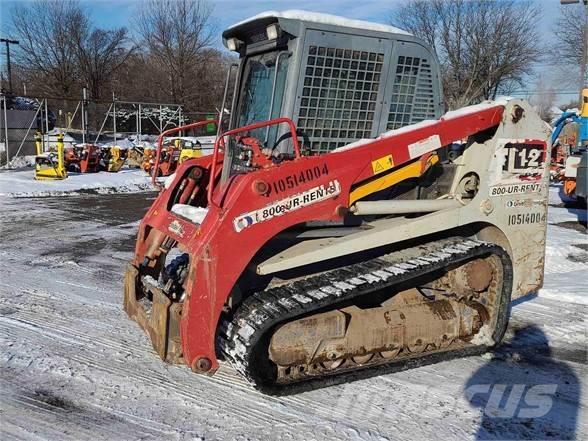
point(8, 43)
point(114, 116)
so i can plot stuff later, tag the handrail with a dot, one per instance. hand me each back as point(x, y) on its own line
point(258, 125)
point(273, 96)
point(167, 133)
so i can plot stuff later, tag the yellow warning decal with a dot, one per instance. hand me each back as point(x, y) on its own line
point(382, 164)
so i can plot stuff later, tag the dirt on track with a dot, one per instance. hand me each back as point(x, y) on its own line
point(74, 367)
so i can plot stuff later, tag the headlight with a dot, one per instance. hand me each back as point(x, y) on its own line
point(233, 44)
point(272, 31)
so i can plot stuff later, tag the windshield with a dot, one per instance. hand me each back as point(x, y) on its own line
point(256, 92)
point(260, 83)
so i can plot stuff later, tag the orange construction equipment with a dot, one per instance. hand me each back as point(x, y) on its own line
point(88, 158)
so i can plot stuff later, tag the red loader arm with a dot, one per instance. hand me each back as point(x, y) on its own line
point(236, 226)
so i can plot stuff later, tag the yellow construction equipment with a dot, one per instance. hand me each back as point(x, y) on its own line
point(116, 158)
point(50, 165)
point(188, 150)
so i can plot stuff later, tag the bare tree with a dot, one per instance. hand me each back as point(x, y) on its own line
point(176, 34)
point(571, 35)
point(484, 47)
point(141, 79)
point(61, 50)
point(100, 53)
point(43, 28)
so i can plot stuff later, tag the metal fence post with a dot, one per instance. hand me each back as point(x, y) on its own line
point(4, 108)
point(114, 116)
point(160, 119)
point(140, 122)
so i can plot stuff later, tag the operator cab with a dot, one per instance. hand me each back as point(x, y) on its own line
point(339, 80)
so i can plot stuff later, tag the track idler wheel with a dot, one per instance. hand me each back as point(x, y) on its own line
point(362, 359)
point(418, 347)
point(331, 365)
point(392, 353)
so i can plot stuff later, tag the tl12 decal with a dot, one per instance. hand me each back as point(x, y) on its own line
point(524, 161)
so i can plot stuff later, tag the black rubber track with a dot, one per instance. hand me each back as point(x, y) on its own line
point(244, 340)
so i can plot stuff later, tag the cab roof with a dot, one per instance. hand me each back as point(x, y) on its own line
point(268, 17)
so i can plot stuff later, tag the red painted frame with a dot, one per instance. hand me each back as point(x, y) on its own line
point(220, 140)
point(219, 254)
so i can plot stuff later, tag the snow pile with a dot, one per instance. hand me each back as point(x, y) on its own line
point(123, 144)
point(20, 162)
point(193, 214)
point(50, 139)
point(167, 182)
point(23, 184)
point(485, 336)
point(327, 19)
point(500, 101)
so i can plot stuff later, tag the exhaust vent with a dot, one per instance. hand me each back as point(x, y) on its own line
point(412, 98)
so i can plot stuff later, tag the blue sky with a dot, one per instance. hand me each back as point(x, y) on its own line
point(118, 13)
point(227, 12)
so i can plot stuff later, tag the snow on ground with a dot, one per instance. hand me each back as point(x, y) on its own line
point(566, 253)
point(74, 367)
point(21, 183)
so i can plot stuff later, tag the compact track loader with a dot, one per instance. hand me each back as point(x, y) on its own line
point(306, 258)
